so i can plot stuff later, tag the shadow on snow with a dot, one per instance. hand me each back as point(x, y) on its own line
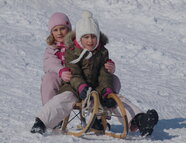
point(160, 132)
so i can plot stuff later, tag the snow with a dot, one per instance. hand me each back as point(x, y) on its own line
point(147, 42)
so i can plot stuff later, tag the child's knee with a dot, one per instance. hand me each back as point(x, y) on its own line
point(117, 84)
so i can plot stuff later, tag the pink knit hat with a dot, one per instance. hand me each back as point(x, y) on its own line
point(59, 19)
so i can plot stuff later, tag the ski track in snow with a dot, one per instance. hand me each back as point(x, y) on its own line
point(147, 42)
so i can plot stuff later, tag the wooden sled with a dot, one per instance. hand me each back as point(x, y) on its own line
point(81, 121)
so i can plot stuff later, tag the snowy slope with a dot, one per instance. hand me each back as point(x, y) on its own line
point(147, 43)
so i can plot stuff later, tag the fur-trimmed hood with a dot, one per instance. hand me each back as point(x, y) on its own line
point(70, 37)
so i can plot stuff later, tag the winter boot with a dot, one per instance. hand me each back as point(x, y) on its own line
point(145, 122)
point(38, 127)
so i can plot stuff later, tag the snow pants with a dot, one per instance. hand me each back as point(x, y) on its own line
point(57, 107)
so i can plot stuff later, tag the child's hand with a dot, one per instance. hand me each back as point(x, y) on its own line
point(66, 76)
point(110, 66)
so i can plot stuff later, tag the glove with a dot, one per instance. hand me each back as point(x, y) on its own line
point(83, 93)
point(108, 102)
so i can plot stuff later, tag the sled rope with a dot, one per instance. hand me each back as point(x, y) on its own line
point(86, 104)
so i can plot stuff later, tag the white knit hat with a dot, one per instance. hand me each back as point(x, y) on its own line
point(87, 25)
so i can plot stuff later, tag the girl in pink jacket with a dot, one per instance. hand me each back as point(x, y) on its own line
point(53, 62)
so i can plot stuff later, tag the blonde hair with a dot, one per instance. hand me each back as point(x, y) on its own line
point(50, 39)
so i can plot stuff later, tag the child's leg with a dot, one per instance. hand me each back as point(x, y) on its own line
point(49, 86)
point(130, 108)
point(56, 109)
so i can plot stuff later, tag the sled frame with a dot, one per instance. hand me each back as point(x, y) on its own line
point(94, 114)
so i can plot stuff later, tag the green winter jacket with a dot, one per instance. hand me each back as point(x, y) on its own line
point(87, 71)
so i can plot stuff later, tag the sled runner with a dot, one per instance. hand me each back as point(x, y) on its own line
point(85, 113)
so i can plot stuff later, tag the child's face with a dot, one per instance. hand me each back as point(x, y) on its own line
point(89, 41)
point(59, 32)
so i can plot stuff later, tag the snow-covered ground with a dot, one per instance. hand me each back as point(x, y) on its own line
point(147, 43)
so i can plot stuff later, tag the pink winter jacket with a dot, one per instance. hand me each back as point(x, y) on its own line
point(51, 63)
